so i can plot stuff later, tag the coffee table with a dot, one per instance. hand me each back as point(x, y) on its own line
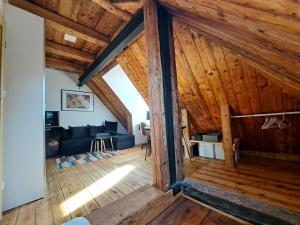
point(99, 139)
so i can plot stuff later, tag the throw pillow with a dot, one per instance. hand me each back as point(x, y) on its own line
point(111, 127)
point(93, 130)
point(79, 132)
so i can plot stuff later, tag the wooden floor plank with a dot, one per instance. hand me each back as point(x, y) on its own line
point(102, 199)
point(256, 178)
point(186, 212)
point(120, 210)
point(272, 181)
point(27, 214)
point(44, 212)
point(10, 217)
point(75, 188)
point(84, 196)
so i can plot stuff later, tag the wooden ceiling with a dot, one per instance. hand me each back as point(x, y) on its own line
point(210, 75)
point(245, 53)
point(95, 23)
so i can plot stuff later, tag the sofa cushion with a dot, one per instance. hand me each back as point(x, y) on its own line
point(93, 130)
point(63, 133)
point(79, 132)
point(111, 127)
point(75, 146)
point(124, 141)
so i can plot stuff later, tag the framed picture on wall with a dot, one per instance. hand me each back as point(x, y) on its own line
point(77, 101)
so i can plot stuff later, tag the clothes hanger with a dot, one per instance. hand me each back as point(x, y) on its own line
point(275, 123)
point(272, 122)
point(265, 123)
point(284, 123)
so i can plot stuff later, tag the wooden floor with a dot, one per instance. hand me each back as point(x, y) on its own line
point(76, 191)
point(186, 212)
point(272, 181)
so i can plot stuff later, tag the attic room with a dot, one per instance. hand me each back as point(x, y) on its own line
point(150, 112)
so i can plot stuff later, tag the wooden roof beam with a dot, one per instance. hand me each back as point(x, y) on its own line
point(106, 4)
point(102, 90)
point(63, 66)
point(69, 52)
point(125, 38)
point(63, 24)
point(128, 4)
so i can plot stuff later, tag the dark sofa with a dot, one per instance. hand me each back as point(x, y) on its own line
point(77, 140)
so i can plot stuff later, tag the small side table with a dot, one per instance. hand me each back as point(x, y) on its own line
point(100, 139)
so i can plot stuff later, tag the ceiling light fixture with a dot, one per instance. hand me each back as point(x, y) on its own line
point(70, 38)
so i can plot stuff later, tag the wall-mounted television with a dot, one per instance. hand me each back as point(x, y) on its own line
point(52, 118)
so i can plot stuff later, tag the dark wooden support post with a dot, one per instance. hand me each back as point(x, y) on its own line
point(163, 97)
point(227, 135)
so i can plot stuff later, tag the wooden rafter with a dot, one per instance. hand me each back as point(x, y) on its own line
point(125, 38)
point(106, 4)
point(63, 24)
point(64, 66)
point(106, 95)
point(69, 52)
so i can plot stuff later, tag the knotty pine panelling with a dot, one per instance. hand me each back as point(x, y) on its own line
point(209, 75)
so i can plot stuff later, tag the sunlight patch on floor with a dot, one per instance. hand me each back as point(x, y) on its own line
point(97, 188)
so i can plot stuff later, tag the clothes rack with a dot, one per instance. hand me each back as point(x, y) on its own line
point(266, 114)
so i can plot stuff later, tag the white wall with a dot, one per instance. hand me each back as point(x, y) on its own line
point(57, 80)
point(125, 90)
point(23, 108)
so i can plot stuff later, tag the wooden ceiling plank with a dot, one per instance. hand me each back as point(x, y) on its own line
point(58, 22)
point(225, 79)
point(188, 46)
point(106, 4)
point(69, 8)
point(64, 66)
point(108, 23)
point(79, 31)
point(280, 68)
point(255, 102)
point(191, 94)
point(69, 52)
point(252, 88)
point(262, 23)
point(89, 14)
point(237, 75)
point(128, 4)
point(210, 69)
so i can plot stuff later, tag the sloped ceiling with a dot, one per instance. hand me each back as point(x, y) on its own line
point(209, 75)
point(107, 96)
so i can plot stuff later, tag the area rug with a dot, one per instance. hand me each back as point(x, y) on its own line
point(73, 160)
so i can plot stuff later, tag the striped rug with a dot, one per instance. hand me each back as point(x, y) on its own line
point(73, 160)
